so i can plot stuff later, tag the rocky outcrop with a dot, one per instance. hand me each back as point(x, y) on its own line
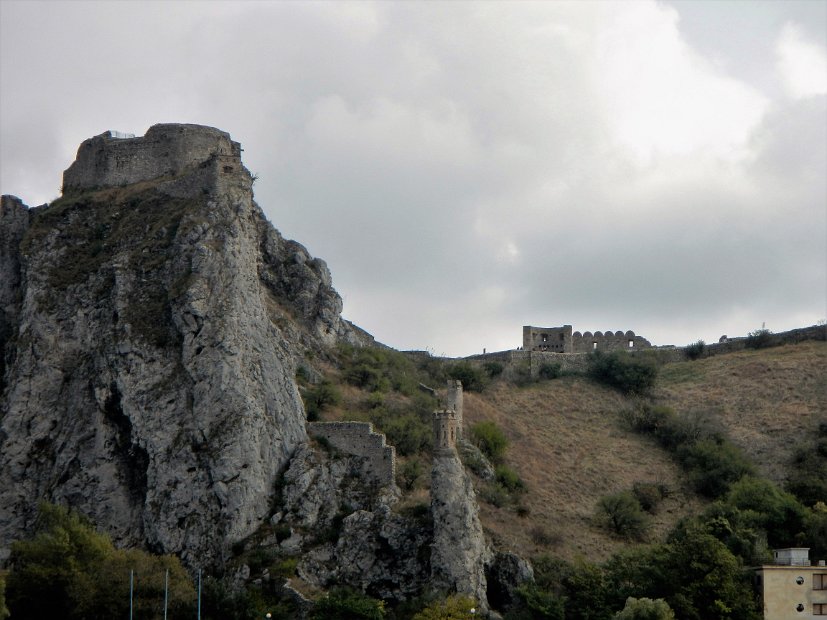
point(346, 529)
point(151, 319)
point(459, 553)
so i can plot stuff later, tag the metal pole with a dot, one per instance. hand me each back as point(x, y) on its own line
point(131, 581)
point(166, 593)
point(199, 594)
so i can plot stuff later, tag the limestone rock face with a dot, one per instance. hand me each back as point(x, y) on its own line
point(345, 527)
point(150, 320)
point(460, 553)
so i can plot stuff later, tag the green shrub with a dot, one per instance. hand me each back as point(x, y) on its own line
point(69, 570)
point(488, 437)
point(621, 514)
point(645, 609)
point(473, 378)
point(648, 495)
point(495, 494)
point(320, 397)
point(695, 350)
point(455, 607)
point(540, 604)
point(759, 339)
point(713, 465)
point(549, 370)
point(285, 568)
point(409, 473)
point(493, 369)
point(509, 479)
point(347, 604)
point(619, 370)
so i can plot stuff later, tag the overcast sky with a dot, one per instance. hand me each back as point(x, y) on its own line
point(467, 168)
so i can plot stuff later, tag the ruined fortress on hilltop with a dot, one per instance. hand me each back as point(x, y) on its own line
point(114, 159)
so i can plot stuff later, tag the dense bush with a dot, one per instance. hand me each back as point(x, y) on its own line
point(509, 479)
point(549, 370)
point(453, 608)
point(488, 437)
point(378, 370)
point(645, 609)
point(621, 371)
point(759, 339)
point(473, 378)
point(493, 369)
point(711, 461)
point(347, 604)
point(695, 350)
point(320, 397)
point(622, 515)
point(649, 495)
point(713, 465)
point(808, 471)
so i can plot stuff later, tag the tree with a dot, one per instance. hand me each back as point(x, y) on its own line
point(708, 582)
point(68, 570)
point(453, 608)
point(621, 514)
point(645, 609)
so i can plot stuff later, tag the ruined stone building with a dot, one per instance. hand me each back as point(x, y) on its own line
point(562, 340)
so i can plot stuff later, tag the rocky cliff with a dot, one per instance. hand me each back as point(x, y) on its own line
point(150, 323)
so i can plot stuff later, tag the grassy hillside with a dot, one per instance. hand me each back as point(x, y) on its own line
point(570, 444)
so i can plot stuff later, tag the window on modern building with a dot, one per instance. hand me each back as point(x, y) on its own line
point(820, 581)
point(820, 609)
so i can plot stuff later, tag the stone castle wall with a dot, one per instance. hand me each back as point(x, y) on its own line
point(166, 149)
point(358, 439)
point(608, 341)
point(562, 340)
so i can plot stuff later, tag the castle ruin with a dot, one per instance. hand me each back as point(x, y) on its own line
point(359, 439)
point(562, 340)
point(111, 159)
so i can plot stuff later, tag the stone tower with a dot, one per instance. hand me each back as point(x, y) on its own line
point(445, 432)
point(453, 402)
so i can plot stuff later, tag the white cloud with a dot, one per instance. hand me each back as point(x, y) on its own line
point(801, 63)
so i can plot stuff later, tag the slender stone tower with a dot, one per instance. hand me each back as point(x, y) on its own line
point(453, 402)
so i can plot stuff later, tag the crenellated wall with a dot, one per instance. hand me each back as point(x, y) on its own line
point(562, 340)
point(607, 341)
point(166, 149)
point(358, 438)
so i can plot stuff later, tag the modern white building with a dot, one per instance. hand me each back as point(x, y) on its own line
point(791, 587)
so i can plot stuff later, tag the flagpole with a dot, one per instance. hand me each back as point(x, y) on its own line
point(166, 593)
point(199, 594)
point(131, 581)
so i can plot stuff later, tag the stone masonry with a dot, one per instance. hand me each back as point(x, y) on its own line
point(358, 438)
point(562, 340)
point(166, 149)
